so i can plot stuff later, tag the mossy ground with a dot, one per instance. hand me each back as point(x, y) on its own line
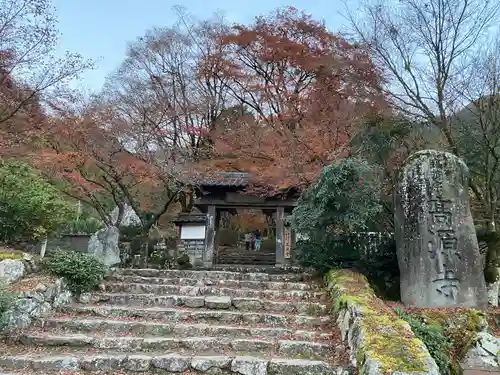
point(388, 339)
point(493, 316)
point(460, 327)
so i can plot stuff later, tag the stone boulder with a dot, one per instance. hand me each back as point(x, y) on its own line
point(484, 355)
point(11, 270)
point(437, 248)
point(130, 218)
point(104, 246)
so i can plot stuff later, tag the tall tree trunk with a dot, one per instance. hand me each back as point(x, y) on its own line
point(492, 270)
point(186, 199)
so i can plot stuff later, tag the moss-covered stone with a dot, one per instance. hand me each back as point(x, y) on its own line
point(461, 326)
point(385, 338)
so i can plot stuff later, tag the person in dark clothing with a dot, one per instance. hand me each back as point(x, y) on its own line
point(258, 239)
point(248, 240)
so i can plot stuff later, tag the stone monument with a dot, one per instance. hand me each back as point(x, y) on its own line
point(129, 218)
point(104, 246)
point(437, 248)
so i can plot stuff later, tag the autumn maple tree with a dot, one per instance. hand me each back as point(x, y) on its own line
point(30, 72)
point(305, 92)
point(89, 155)
point(159, 93)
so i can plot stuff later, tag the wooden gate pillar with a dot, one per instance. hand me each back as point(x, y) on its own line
point(280, 230)
point(210, 233)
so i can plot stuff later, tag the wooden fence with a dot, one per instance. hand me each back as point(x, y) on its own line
point(74, 242)
point(374, 240)
point(479, 213)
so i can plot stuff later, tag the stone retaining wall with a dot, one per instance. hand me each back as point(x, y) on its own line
point(32, 304)
point(379, 342)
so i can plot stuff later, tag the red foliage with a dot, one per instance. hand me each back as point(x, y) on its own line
point(88, 152)
point(21, 115)
point(30, 71)
point(246, 221)
point(306, 92)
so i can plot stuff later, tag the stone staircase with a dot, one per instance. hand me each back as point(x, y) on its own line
point(241, 256)
point(189, 322)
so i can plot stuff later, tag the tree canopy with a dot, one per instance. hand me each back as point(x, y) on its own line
point(305, 92)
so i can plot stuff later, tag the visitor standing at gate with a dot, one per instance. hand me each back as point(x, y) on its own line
point(258, 239)
point(248, 240)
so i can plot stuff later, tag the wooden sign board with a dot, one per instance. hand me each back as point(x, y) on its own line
point(288, 243)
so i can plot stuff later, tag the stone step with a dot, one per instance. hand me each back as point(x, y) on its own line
point(200, 345)
point(200, 315)
point(159, 289)
point(243, 255)
point(221, 275)
point(248, 257)
point(242, 284)
point(98, 361)
point(212, 302)
point(273, 270)
point(246, 261)
point(339, 371)
point(119, 327)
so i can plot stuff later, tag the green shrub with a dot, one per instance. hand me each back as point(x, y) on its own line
point(30, 207)
point(82, 272)
point(88, 225)
point(375, 257)
point(345, 201)
point(346, 197)
point(227, 237)
point(130, 233)
point(160, 258)
point(434, 338)
point(184, 262)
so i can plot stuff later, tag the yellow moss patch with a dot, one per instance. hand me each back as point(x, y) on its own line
point(387, 338)
point(13, 256)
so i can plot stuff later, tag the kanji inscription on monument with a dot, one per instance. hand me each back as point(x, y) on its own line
point(438, 253)
point(443, 247)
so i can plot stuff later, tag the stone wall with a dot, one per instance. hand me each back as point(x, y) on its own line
point(32, 304)
point(378, 341)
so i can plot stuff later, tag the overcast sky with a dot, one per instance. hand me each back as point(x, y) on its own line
point(101, 29)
